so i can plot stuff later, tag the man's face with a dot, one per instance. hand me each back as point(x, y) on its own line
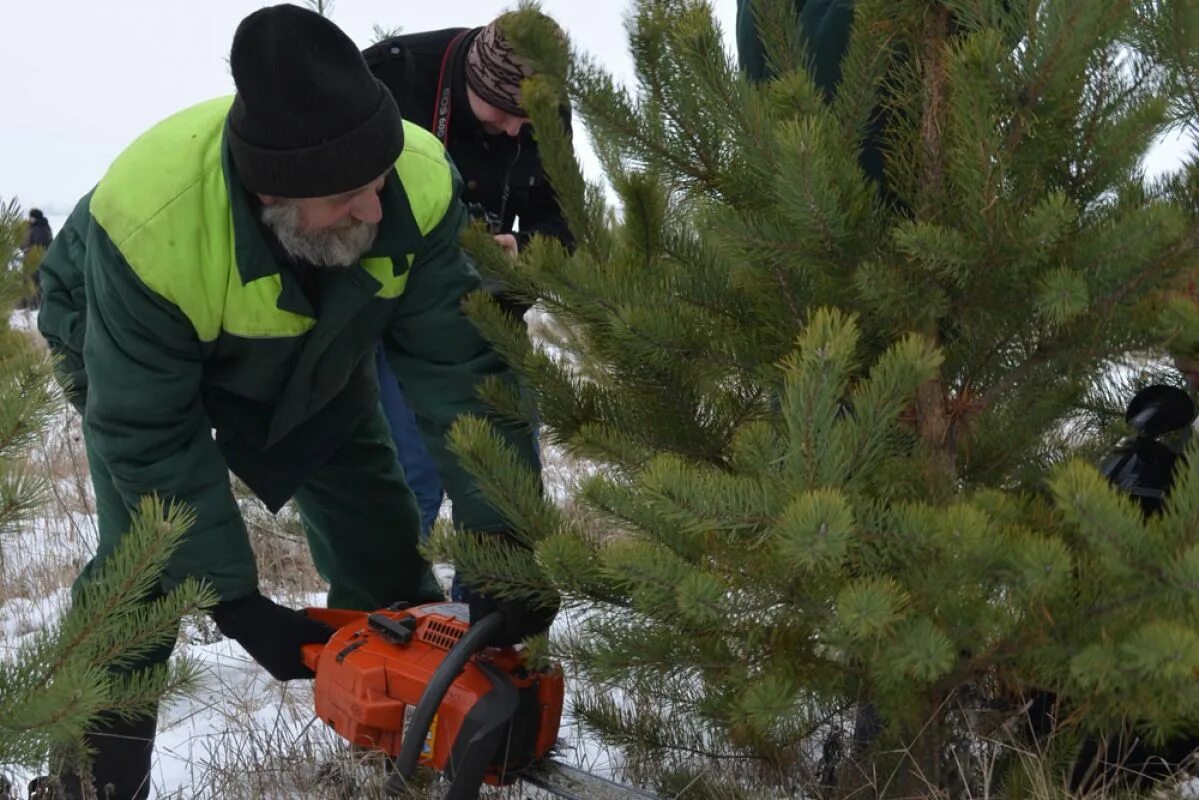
point(331, 231)
point(494, 120)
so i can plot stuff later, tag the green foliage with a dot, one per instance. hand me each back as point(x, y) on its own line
point(63, 677)
point(381, 34)
point(27, 390)
point(1166, 35)
point(841, 425)
point(56, 681)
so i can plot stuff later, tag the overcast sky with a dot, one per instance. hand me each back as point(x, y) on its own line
point(86, 77)
point(91, 75)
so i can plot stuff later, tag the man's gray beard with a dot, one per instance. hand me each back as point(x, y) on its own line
point(332, 247)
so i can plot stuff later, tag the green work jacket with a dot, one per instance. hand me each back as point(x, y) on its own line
point(192, 348)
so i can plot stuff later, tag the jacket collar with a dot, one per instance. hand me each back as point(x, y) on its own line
point(399, 233)
point(254, 257)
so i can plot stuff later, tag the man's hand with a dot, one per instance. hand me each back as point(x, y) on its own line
point(272, 634)
point(507, 243)
point(521, 617)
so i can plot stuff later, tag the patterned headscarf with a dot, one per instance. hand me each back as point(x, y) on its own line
point(494, 71)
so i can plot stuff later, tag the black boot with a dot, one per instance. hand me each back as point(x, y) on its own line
point(120, 769)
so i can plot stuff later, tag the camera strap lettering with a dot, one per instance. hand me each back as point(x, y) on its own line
point(442, 107)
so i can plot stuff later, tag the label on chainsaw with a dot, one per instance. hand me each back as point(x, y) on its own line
point(459, 610)
point(426, 751)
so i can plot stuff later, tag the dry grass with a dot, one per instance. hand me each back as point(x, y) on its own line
point(38, 566)
point(285, 569)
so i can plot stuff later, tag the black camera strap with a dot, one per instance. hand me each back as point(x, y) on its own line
point(442, 106)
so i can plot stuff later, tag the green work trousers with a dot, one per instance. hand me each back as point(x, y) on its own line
point(360, 518)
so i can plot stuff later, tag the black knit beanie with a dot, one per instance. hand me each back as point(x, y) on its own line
point(309, 119)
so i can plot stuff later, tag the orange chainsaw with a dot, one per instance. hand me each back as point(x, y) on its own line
point(423, 685)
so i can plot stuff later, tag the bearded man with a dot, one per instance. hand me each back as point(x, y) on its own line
point(216, 301)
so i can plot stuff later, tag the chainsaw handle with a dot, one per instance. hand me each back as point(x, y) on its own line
point(480, 635)
point(310, 654)
point(336, 618)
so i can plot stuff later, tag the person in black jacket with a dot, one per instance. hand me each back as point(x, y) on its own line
point(463, 85)
point(37, 234)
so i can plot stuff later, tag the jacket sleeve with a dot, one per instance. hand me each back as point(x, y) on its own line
point(439, 357)
point(146, 422)
point(64, 302)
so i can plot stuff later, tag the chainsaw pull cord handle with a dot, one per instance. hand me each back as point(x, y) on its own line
point(480, 635)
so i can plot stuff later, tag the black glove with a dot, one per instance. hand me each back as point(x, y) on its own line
point(272, 634)
point(520, 618)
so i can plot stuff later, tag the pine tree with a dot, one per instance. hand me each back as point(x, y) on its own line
point(58, 680)
point(842, 435)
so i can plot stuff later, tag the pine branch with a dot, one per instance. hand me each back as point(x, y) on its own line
point(1055, 348)
point(1030, 96)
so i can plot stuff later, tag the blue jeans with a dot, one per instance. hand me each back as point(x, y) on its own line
point(419, 468)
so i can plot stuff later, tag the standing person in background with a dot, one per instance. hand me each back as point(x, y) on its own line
point(37, 234)
point(823, 27)
point(463, 85)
